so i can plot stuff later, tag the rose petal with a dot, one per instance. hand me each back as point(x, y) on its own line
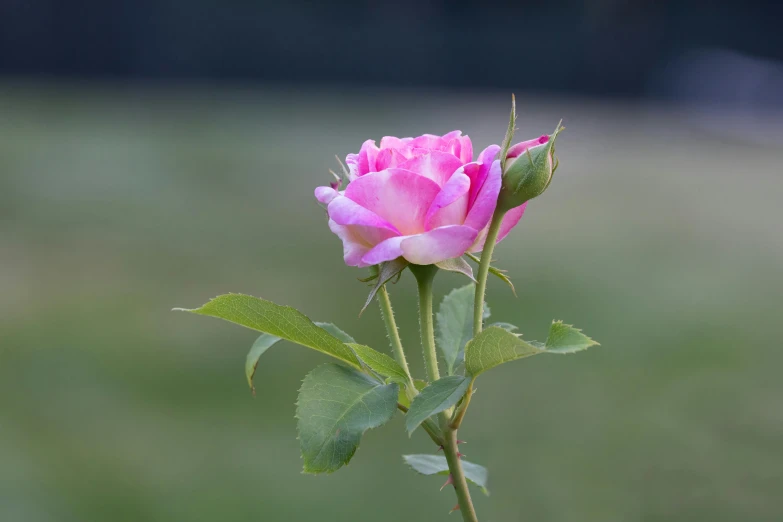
point(478, 175)
point(438, 244)
point(389, 158)
point(452, 135)
point(354, 246)
point(390, 142)
point(435, 165)
point(486, 200)
point(364, 162)
point(325, 194)
point(466, 151)
point(451, 204)
point(487, 155)
point(429, 141)
point(398, 196)
point(510, 220)
point(522, 146)
point(384, 251)
point(345, 211)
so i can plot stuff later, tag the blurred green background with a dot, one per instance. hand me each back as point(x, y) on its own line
point(662, 239)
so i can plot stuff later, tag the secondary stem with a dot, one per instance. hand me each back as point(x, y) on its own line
point(478, 302)
point(394, 335)
point(483, 270)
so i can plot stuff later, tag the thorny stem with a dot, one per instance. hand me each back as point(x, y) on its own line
point(451, 451)
point(424, 277)
point(394, 336)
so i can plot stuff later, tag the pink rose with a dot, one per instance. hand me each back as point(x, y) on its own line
point(424, 199)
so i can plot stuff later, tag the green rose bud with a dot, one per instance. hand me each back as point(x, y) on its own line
point(529, 168)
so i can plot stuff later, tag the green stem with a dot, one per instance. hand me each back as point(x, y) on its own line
point(483, 270)
point(425, 274)
point(394, 336)
point(458, 480)
point(478, 302)
point(424, 277)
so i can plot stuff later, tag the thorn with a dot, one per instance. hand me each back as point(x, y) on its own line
point(461, 441)
point(455, 508)
point(449, 480)
point(460, 455)
point(440, 448)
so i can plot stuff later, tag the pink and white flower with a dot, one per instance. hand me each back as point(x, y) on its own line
point(423, 198)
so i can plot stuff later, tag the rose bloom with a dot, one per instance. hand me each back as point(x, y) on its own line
point(424, 199)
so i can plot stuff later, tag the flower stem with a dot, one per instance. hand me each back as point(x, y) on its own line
point(425, 274)
point(424, 277)
point(458, 477)
point(394, 336)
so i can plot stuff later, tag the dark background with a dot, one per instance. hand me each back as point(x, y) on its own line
point(605, 48)
point(156, 154)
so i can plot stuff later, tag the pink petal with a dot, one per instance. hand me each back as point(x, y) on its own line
point(344, 211)
point(384, 251)
point(488, 155)
point(452, 135)
point(510, 220)
point(354, 246)
point(429, 141)
point(400, 197)
point(438, 244)
point(388, 158)
point(435, 165)
point(466, 151)
point(325, 194)
point(451, 204)
point(424, 249)
point(486, 200)
point(390, 142)
point(519, 148)
point(364, 162)
point(479, 171)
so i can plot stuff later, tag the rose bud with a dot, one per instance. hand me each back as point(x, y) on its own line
point(529, 168)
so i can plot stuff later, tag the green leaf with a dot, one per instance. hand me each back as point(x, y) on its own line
point(282, 321)
point(564, 338)
point(403, 398)
point(437, 465)
point(262, 344)
point(380, 363)
point(512, 121)
point(387, 271)
point(506, 326)
point(501, 274)
point(336, 332)
point(435, 398)
point(496, 346)
point(455, 325)
point(457, 264)
point(336, 406)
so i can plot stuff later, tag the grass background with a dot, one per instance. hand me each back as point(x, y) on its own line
point(660, 237)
